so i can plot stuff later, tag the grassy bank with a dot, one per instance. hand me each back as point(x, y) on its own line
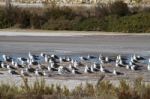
point(102, 90)
point(113, 17)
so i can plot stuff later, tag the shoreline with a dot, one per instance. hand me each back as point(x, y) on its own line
point(30, 32)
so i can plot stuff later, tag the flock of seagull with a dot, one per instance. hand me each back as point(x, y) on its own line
point(48, 65)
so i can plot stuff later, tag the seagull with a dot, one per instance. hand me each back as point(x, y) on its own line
point(134, 57)
point(22, 59)
point(72, 61)
point(13, 62)
point(49, 68)
point(83, 58)
point(106, 59)
point(95, 67)
point(100, 57)
point(117, 65)
point(119, 57)
point(139, 57)
point(46, 58)
point(3, 65)
point(52, 68)
point(4, 57)
point(54, 56)
point(101, 61)
point(50, 60)
point(148, 67)
point(30, 56)
point(39, 66)
point(131, 60)
point(75, 71)
point(90, 57)
point(10, 67)
point(42, 54)
point(133, 67)
point(120, 62)
point(114, 72)
point(68, 59)
point(91, 69)
point(117, 73)
point(127, 67)
point(16, 65)
point(101, 69)
point(130, 63)
point(38, 73)
point(75, 64)
point(24, 73)
point(60, 59)
point(87, 70)
point(13, 72)
point(72, 67)
point(30, 69)
point(60, 69)
point(44, 73)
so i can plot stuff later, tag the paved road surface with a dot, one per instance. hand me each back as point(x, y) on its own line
point(71, 41)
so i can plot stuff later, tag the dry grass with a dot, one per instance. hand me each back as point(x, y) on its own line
point(104, 90)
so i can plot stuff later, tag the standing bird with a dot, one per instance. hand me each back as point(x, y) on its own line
point(60, 70)
point(46, 58)
point(24, 73)
point(114, 72)
point(3, 65)
point(117, 73)
point(13, 72)
point(117, 64)
point(87, 69)
point(148, 67)
point(75, 71)
point(127, 67)
point(106, 59)
point(75, 64)
point(30, 69)
point(12, 62)
point(38, 73)
point(101, 69)
point(4, 57)
point(133, 67)
point(10, 67)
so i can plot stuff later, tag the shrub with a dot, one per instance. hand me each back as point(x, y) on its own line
point(36, 21)
point(134, 23)
point(119, 8)
point(114, 17)
point(5, 18)
point(58, 24)
point(57, 12)
point(89, 24)
point(23, 19)
point(101, 10)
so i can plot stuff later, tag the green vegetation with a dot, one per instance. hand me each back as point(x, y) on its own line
point(103, 90)
point(113, 17)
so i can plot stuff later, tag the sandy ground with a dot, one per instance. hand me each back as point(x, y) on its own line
point(21, 42)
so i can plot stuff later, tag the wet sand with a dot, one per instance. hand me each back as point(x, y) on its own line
point(71, 44)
